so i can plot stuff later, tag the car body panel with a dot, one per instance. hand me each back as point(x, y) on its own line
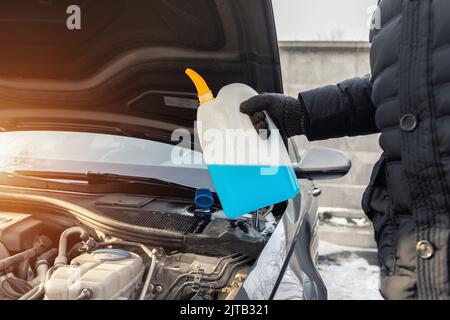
point(287, 267)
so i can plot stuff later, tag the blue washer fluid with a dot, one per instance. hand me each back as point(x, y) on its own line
point(242, 188)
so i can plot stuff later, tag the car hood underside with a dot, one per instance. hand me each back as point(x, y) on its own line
point(123, 71)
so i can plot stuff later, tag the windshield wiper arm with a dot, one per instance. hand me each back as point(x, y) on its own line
point(51, 175)
point(93, 178)
point(101, 178)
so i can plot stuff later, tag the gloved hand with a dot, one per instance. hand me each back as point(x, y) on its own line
point(288, 114)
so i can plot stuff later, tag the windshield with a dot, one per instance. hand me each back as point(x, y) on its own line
point(101, 153)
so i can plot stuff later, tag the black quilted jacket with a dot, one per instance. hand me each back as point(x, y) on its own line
point(407, 99)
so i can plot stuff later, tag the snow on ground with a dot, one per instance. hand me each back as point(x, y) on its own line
point(349, 273)
point(345, 222)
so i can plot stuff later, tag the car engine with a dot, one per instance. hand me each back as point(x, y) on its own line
point(52, 257)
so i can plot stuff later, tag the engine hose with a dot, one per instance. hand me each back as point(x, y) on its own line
point(216, 286)
point(13, 288)
point(43, 263)
point(22, 270)
point(30, 293)
point(221, 273)
point(216, 267)
point(212, 286)
point(75, 250)
point(215, 278)
point(61, 259)
point(150, 272)
point(38, 292)
point(232, 271)
point(193, 273)
point(22, 256)
point(47, 256)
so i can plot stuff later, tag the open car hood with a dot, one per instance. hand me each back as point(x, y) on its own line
point(123, 71)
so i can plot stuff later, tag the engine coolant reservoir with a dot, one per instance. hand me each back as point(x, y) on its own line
point(110, 273)
point(248, 172)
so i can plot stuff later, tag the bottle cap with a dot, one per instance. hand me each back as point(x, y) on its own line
point(204, 198)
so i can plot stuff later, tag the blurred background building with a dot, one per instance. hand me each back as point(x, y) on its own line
point(324, 42)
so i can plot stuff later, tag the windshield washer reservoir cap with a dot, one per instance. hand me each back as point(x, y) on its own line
point(203, 198)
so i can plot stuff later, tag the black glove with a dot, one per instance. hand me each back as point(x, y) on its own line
point(288, 114)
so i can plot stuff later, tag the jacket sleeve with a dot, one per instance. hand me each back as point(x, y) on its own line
point(340, 110)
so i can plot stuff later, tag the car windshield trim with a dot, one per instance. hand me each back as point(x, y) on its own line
point(188, 176)
point(92, 178)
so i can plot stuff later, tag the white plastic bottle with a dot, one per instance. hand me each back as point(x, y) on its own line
point(248, 172)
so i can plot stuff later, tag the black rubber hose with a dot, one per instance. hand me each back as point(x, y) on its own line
point(192, 274)
point(30, 293)
point(209, 285)
point(213, 286)
point(14, 287)
point(216, 267)
point(23, 256)
point(38, 292)
point(47, 256)
point(74, 251)
point(22, 269)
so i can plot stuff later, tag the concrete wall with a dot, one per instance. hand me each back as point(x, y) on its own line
point(307, 65)
point(323, 20)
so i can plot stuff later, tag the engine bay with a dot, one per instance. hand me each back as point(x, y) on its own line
point(129, 247)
